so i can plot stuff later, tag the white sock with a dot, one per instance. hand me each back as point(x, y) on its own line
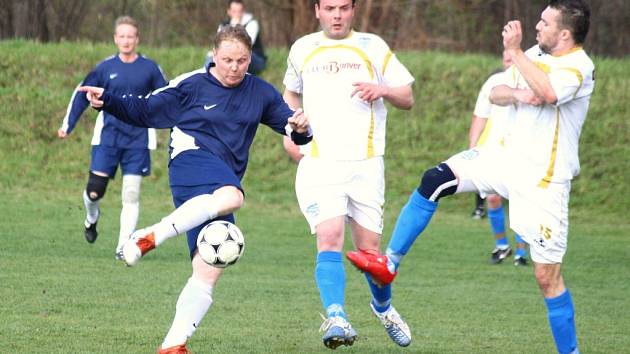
point(91, 208)
point(192, 305)
point(130, 207)
point(128, 220)
point(189, 215)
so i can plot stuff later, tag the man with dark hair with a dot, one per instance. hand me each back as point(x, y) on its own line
point(548, 91)
point(343, 78)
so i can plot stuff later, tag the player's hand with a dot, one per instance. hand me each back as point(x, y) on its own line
point(368, 92)
point(61, 134)
point(512, 35)
point(93, 95)
point(298, 121)
point(527, 96)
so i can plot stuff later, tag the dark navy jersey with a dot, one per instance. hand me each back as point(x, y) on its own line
point(206, 115)
point(138, 78)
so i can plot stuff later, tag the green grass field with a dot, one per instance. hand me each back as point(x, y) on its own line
point(62, 295)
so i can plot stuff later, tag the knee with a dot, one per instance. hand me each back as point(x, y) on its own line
point(544, 280)
point(96, 186)
point(438, 182)
point(549, 281)
point(330, 235)
point(205, 273)
point(131, 189)
point(232, 197)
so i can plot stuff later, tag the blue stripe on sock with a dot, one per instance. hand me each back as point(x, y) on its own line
point(330, 276)
point(561, 320)
point(381, 296)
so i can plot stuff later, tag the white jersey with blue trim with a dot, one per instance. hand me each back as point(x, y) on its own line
point(546, 137)
point(139, 77)
point(205, 115)
point(322, 71)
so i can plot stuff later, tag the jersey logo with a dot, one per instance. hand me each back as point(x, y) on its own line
point(113, 76)
point(313, 210)
point(206, 107)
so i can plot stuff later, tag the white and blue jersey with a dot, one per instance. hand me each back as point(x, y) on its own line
point(206, 118)
point(137, 78)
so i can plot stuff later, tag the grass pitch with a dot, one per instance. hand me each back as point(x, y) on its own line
point(62, 295)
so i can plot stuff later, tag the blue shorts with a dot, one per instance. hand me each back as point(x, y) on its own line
point(194, 173)
point(132, 161)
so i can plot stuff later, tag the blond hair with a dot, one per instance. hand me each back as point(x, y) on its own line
point(126, 20)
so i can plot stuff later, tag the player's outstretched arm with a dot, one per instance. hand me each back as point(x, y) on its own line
point(148, 111)
point(400, 97)
point(93, 95)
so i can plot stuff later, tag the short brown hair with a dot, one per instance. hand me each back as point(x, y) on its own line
point(126, 20)
point(576, 17)
point(233, 33)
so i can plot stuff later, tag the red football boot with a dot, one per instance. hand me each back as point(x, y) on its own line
point(372, 263)
point(178, 349)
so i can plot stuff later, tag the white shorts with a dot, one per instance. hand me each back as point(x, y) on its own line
point(539, 215)
point(326, 189)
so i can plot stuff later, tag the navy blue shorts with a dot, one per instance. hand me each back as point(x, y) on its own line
point(194, 173)
point(132, 161)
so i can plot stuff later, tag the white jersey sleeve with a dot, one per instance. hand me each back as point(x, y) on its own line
point(566, 83)
point(394, 73)
point(483, 105)
point(498, 124)
point(292, 79)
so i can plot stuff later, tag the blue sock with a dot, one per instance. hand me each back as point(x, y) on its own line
point(381, 296)
point(560, 313)
point(330, 276)
point(413, 219)
point(496, 217)
point(520, 252)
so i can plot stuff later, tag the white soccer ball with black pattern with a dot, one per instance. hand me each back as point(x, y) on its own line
point(220, 243)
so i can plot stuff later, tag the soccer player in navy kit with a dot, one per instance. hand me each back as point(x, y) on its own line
point(214, 114)
point(115, 142)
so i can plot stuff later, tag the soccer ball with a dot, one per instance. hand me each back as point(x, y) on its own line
point(220, 243)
